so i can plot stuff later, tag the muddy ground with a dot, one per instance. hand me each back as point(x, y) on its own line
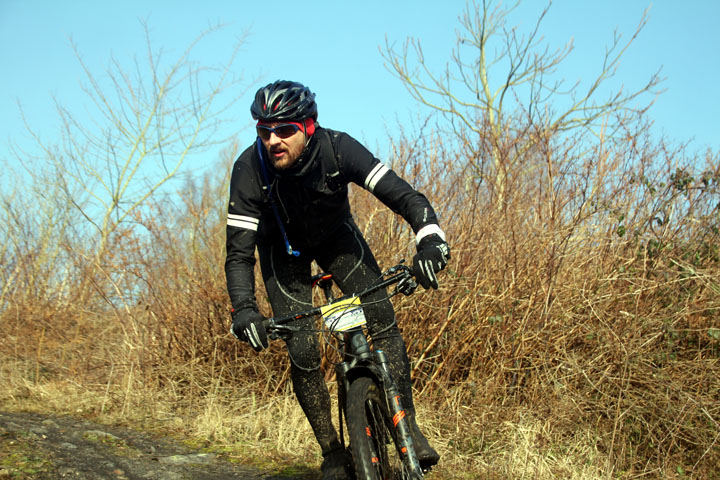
point(44, 447)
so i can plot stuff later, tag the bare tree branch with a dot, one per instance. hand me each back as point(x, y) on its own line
point(502, 84)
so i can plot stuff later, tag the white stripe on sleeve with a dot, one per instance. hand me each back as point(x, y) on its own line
point(375, 175)
point(240, 221)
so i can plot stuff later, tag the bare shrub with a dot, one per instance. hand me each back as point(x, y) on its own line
point(576, 321)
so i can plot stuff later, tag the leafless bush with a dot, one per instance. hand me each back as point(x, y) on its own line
point(582, 295)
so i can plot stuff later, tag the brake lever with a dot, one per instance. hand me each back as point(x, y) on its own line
point(407, 286)
point(280, 332)
point(277, 331)
point(395, 268)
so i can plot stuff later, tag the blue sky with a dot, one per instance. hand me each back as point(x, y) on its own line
point(333, 47)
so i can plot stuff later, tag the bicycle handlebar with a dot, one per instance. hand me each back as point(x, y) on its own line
point(400, 274)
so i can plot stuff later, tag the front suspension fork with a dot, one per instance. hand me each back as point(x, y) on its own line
point(399, 416)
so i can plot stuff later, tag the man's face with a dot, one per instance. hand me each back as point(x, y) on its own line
point(283, 151)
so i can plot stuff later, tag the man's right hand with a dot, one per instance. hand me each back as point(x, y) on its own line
point(247, 326)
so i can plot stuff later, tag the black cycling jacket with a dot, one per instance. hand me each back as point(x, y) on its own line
point(311, 199)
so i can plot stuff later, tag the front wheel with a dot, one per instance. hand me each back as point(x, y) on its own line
point(375, 453)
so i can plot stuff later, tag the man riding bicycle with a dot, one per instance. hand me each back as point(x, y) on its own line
point(289, 199)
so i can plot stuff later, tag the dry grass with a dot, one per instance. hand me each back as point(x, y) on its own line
point(576, 333)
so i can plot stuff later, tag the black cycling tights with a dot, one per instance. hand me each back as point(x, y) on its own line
point(345, 255)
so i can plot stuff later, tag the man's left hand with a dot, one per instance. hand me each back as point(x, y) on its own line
point(432, 255)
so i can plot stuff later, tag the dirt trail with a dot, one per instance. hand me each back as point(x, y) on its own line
point(46, 447)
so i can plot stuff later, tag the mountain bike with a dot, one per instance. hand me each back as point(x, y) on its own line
point(368, 398)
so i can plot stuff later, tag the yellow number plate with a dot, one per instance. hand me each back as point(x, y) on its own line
point(343, 315)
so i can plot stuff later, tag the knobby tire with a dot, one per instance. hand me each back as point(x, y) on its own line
point(374, 450)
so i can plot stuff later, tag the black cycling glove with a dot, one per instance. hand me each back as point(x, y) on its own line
point(432, 255)
point(247, 326)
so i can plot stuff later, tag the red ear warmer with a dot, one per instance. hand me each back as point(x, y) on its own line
point(309, 126)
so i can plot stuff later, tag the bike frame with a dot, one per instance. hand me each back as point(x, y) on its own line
point(359, 360)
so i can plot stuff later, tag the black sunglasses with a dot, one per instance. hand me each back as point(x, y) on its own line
point(282, 131)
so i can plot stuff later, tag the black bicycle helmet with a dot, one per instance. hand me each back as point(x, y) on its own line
point(283, 101)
